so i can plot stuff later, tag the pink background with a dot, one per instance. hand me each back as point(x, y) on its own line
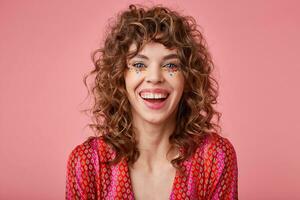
point(45, 49)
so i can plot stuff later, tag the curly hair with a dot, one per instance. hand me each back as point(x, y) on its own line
point(110, 112)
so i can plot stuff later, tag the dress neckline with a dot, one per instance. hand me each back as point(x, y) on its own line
point(174, 182)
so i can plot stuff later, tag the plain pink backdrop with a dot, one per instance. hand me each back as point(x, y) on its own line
point(45, 50)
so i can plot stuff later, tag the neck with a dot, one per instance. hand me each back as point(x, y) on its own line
point(153, 143)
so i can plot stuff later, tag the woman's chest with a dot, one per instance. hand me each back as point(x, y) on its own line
point(120, 182)
point(152, 186)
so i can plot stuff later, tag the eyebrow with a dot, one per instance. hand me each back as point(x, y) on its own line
point(167, 57)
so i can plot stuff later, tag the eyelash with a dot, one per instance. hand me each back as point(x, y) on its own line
point(136, 65)
point(172, 65)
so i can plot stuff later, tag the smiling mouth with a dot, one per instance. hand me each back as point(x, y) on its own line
point(154, 98)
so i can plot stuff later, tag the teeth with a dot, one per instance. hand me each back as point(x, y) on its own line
point(147, 95)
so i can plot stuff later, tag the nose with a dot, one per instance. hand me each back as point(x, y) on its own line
point(154, 74)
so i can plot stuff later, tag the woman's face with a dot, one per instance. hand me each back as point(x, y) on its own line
point(154, 83)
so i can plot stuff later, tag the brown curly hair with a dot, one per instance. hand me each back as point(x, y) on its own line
point(112, 119)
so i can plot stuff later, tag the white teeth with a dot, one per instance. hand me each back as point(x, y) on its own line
point(146, 95)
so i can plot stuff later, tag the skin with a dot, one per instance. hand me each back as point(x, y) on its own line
point(153, 175)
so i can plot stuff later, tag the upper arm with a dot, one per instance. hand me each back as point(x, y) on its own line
point(81, 176)
point(218, 169)
point(225, 162)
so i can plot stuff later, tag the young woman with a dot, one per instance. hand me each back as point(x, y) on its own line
point(153, 116)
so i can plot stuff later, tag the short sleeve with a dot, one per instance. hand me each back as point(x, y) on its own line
point(224, 163)
point(82, 177)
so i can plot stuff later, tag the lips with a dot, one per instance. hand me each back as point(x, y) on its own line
point(154, 98)
point(149, 95)
point(161, 91)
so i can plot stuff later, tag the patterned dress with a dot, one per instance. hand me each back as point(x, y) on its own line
point(211, 173)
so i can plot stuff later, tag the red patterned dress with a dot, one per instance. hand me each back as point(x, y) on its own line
point(211, 173)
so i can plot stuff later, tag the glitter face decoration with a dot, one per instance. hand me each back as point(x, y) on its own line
point(138, 68)
point(169, 68)
point(154, 67)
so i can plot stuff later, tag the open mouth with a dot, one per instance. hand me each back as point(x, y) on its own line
point(154, 100)
point(154, 97)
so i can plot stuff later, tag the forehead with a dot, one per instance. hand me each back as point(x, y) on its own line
point(153, 49)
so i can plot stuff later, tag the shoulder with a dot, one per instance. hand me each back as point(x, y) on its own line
point(215, 165)
point(83, 169)
point(92, 150)
point(216, 147)
point(218, 141)
point(83, 158)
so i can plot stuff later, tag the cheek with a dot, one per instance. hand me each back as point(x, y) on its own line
point(132, 80)
point(177, 81)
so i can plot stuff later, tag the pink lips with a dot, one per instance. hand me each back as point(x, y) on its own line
point(155, 90)
point(155, 105)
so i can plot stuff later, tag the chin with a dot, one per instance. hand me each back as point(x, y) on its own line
point(156, 119)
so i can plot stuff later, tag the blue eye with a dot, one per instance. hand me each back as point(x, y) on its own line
point(139, 65)
point(171, 66)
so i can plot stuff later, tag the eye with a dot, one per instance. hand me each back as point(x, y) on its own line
point(138, 65)
point(171, 67)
